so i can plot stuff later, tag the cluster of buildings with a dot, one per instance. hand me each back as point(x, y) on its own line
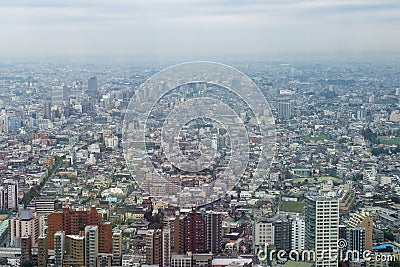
point(67, 197)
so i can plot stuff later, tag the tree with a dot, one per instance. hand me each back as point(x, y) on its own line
point(395, 263)
point(369, 135)
point(27, 264)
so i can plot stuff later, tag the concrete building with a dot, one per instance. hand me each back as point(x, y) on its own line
point(263, 233)
point(59, 248)
point(194, 233)
point(282, 234)
point(74, 250)
point(158, 247)
point(117, 248)
point(362, 219)
point(59, 95)
point(298, 233)
point(355, 238)
point(21, 225)
point(213, 232)
point(284, 110)
point(92, 90)
point(9, 195)
point(181, 260)
point(91, 245)
point(322, 229)
point(42, 251)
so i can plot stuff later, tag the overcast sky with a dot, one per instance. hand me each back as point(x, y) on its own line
point(197, 27)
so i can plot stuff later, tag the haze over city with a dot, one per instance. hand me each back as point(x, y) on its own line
point(200, 133)
point(198, 29)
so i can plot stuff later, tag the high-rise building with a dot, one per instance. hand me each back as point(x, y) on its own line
point(14, 123)
point(9, 195)
point(44, 205)
point(263, 233)
point(282, 234)
point(74, 250)
point(322, 229)
point(177, 235)
point(154, 247)
point(298, 233)
point(105, 236)
point(59, 248)
point(213, 232)
point(47, 110)
point(194, 232)
point(91, 245)
point(189, 233)
point(59, 95)
point(355, 238)
point(284, 110)
point(42, 251)
point(26, 248)
point(92, 90)
point(166, 240)
point(22, 224)
point(73, 222)
point(363, 219)
point(117, 248)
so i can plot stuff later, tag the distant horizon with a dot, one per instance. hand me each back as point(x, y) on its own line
point(345, 57)
point(197, 29)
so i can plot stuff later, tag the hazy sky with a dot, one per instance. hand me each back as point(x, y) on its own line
point(197, 27)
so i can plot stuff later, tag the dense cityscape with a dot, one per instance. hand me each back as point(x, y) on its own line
point(69, 198)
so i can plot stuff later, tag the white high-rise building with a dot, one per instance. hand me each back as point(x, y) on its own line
point(322, 229)
point(298, 233)
point(91, 245)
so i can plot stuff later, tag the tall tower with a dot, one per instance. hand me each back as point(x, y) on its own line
point(284, 110)
point(22, 224)
point(12, 191)
point(158, 247)
point(154, 247)
point(363, 220)
point(74, 250)
point(92, 90)
point(117, 248)
point(355, 238)
point(42, 251)
point(298, 229)
point(91, 245)
point(166, 241)
point(283, 234)
point(322, 229)
point(59, 241)
point(26, 248)
point(59, 95)
point(213, 232)
point(47, 110)
point(194, 232)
